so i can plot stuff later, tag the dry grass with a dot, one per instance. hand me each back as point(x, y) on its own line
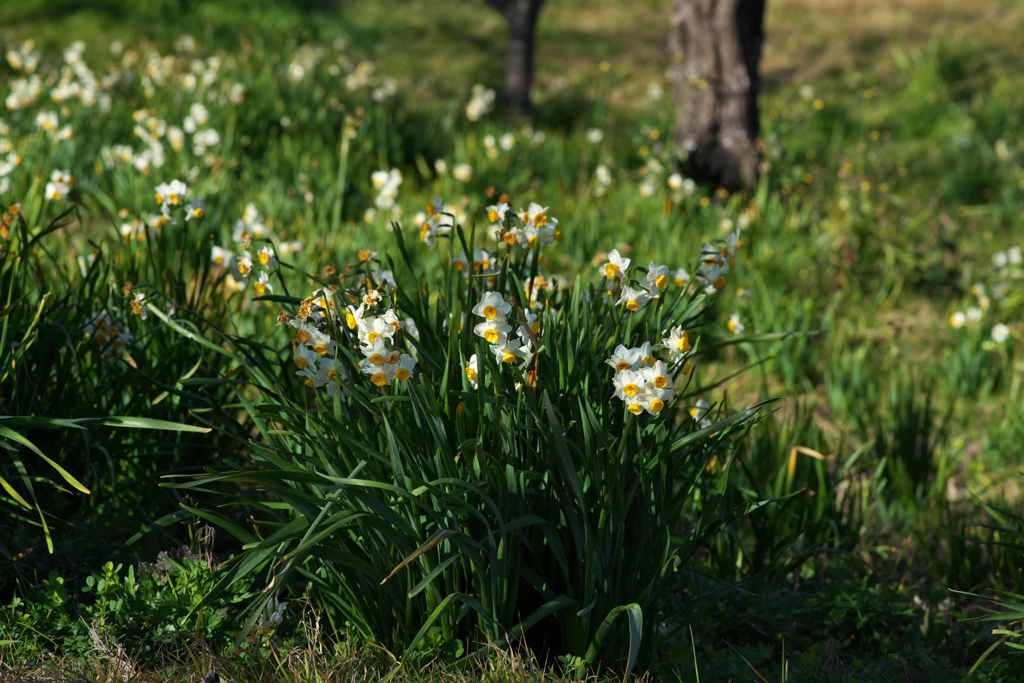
point(616, 48)
point(313, 663)
point(808, 39)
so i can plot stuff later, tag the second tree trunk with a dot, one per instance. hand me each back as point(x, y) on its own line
point(716, 46)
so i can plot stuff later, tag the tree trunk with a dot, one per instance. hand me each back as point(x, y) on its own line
point(521, 17)
point(716, 56)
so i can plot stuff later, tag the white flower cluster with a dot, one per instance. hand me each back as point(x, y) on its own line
point(1006, 264)
point(437, 221)
point(386, 183)
point(528, 228)
point(481, 101)
point(59, 186)
point(244, 263)
point(480, 264)
point(641, 381)
point(77, 81)
point(24, 57)
point(615, 271)
point(650, 173)
point(49, 123)
point(680, 187)
point(383, 361)
point(1011, 258)
point(7, 166)
point(505, 143)
point(150, 129)
point(495, 329)
point(313, 349)
point(203, 138)
point(379, 339)
point(717, 261)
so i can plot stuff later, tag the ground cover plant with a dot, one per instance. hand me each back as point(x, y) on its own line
point(315, 365)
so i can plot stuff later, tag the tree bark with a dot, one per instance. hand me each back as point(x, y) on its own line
point(716, 56)
point(521, 19)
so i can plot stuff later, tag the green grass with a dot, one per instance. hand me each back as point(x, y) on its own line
point(886, 479)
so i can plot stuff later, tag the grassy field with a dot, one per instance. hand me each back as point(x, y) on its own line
point(851, 508)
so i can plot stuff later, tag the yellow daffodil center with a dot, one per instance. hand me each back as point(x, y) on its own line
point(264, 257)
point(471, 374)
point(350, 320)
point(372, 337)
point(159, 198)
point(260, 289)
point(490, 312)
point(332, 374)
point(379, 379)
point(460, 266)
point(492, 216)
point(661, 281)
point(302, 337)
point(661, 381)
point(656, 405)
point(621, 365)
point(635, 408)
point(376, 359)
point(402, 374)
point(632, 304)
point(611, 271)
point(731, 325)
point(309, 382)
point(491, 335)
point(508, 357)
point(631, 390)
point(650, 360)
point(363, 254)
point(300, 363)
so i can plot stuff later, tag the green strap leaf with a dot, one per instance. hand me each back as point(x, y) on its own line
point(149, 423)
point(635, 617)
point(13, 493)
point(10, 434)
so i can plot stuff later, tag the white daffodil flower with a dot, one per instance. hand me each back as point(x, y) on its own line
point(493, 331)
point(616, 266)
point(634, 298)
point(492, 306)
